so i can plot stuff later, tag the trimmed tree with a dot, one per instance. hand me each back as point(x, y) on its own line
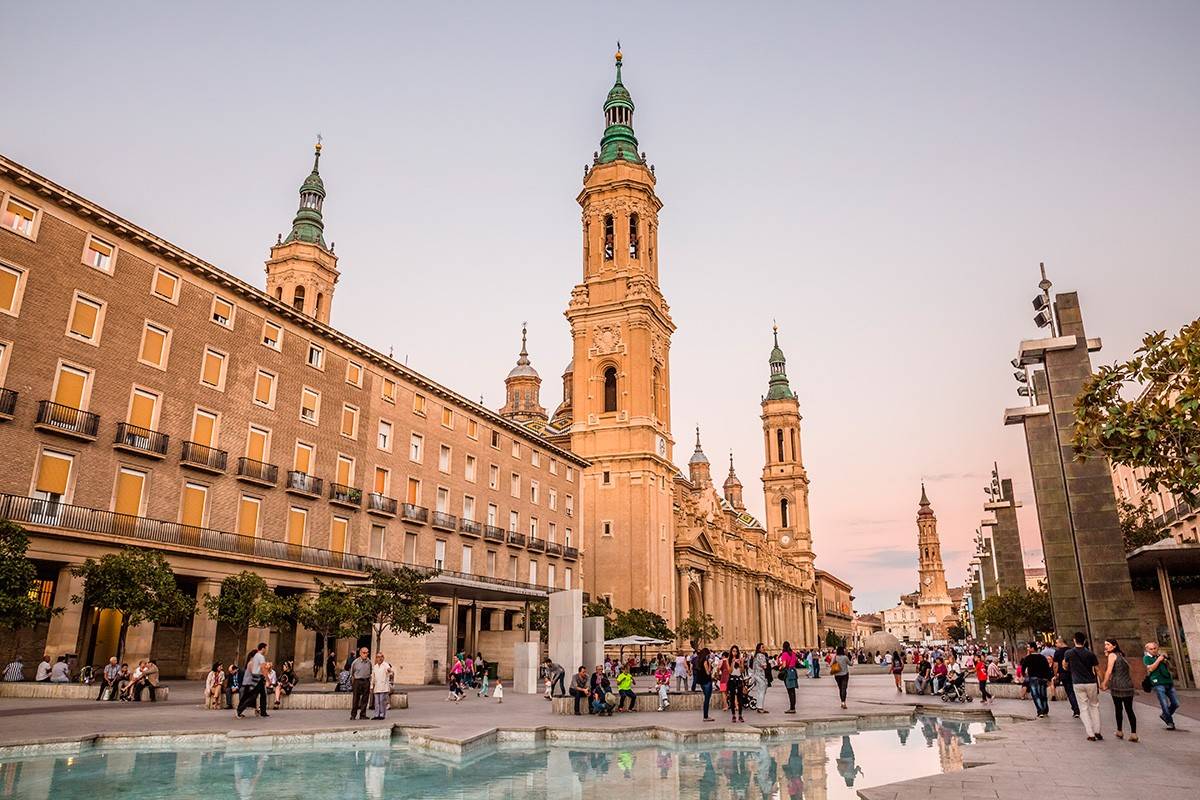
point(247, 602)
point(638, 622)
point(19, 609)
point(957, 632)
point(1016, 611)
point(1159, 431)
point(539, 619)
point(699, 628)
point(394, 600)
point(136, 583)
point(329, 613)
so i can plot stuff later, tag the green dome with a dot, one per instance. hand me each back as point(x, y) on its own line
point(618, 142)
point(778, 388)
point(308, 224)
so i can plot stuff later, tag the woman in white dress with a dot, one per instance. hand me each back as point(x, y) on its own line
point(759, 664)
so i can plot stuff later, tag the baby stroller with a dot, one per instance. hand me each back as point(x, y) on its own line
point(955, 690)
point(749, 689)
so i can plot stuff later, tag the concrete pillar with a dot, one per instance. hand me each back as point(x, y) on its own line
point(566, 628)
point(708, 598)
point(593, 644)
point(254, 636)
point(306, 642)
point(1006, 539)
point(63, 634)
point(204, 633)
point(525, 667)
point(763, 632)
point(139, 642)
point(1189, 616)
point(1176, 648)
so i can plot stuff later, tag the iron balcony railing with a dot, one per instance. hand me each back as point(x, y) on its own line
point(77, 519)
point(570, 552)
point(258, 471)
point(381, 504)
point(516, 538)
point(345, 495)
point(554, 548)
point(142, 440)
point(536, 545)
point(414, 513)
point(493, 534)
point(203, 456)
point(444, 521)
point(8, 402)
point(66, 419)
point(470, 527)
point(303, 483)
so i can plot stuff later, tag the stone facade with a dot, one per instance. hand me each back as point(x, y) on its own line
point(835, 607)
point(933, 602)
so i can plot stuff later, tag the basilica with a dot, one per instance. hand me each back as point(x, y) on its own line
point(654, 537)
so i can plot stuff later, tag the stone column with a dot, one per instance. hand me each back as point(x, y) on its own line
point(204, 633)
point(1006, 539)
point(306, 640)
point(593, 645)
point(684, 595)
point(1189, 615)
point(525, 667)
point(708, 598)
point(566, 628)
point(62, 637)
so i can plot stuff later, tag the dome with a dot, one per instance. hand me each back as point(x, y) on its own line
point(570, 370)
point(525, 370)
point(881, 641)
point(698, 456)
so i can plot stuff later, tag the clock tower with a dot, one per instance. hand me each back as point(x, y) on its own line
point(933, 598)
point(620, 388)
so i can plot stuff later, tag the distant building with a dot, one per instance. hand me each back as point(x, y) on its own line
point(835, 606)
point(864, 625)
point(1035, 577)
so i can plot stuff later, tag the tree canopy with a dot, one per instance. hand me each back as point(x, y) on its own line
point(138, 583)
point(247, 602)
point(1137, 524)
point(637, 622)
point(19, 606)
point(392, 599)
point(329, 612)
point(1015, 612)
point(699, 628)
point(1159, 430)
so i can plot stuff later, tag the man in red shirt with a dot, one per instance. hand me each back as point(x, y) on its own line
point(982, 676)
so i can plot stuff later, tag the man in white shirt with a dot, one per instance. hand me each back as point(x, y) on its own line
point(61, 671)
point(254, 683)
point(43, 670)
point(382, 676)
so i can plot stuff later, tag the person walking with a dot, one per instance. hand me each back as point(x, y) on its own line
point(704, 679)
point(108, 678)
point(1062, 676)
point(1119, 684)
point(760, 664)
point(981, 675)
point(898, 670)
point(1036, 671)
point(382, 676)
point(360, 683)
point(579, 687)
point(788, 671)
point(736, 667)
point(1159, 676)
point(625, 689)
point(254, 682)
point(839, 668)
point(1085, 673)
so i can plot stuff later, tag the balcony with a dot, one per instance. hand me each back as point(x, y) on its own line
point(553, 548)
point(68, 421)
point(570, 552)
point(516, 539)
point(8, 403)
point(381, 505)
point(446, 522)
point(493, 534)
point(536, 545)
point(258, 472)
point(414, 513)
point(142, 441)
point(347, 496)
point(469, 527)
point(203, 457)
point(303, 484)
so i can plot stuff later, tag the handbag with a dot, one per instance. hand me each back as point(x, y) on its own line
point(835, 668)
point(107, 693)
point(1147, 684)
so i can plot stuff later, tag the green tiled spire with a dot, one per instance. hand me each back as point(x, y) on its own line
point(618, 142)
point(778, 388)
point(309, 226)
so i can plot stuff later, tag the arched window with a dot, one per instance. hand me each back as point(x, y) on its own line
point(784, 517)
point(795, 457)
point(320, 302)
point(610, 389)
point(279, 293)
point(654, 399)
point(633, 235)
point(608, 237)
point(779, 442)
point(298, 298)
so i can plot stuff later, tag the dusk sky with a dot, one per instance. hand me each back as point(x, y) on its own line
point(882, 179)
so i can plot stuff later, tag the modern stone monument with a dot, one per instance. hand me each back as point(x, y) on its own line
point(566, 628)
point(1006, 537)
point(1086, 571)
point(525, 667)
point(593, 644)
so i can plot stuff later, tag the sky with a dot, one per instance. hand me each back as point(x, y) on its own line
point(881, 179)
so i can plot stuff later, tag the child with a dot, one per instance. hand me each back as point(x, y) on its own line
point(456, 691)
point(498, 692)
point(662, 678)
point(483, 685)
point(214, 686)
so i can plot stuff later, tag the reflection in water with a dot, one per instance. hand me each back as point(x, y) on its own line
point(779, 769)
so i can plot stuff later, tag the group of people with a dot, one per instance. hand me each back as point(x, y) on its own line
point(469, 672)
point(116, 681)
point(1083, 676)
point(47, 672)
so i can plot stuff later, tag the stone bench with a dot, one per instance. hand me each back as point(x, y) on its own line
point(325, 701)
point(1003, 691)
point(44, 690)
point(648, 701)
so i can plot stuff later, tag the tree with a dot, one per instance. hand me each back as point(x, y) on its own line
point(597, 608)
point(638, 622)
point(136, 583)
point(329, 613)
point(395, 600)
point(957, 632)
point(19, 607)
point(539, 620)
point(247, 602)
point(699, 628)
point(1159, 431)
point(1016, 611)
point(832, 639)
point(1137, 524)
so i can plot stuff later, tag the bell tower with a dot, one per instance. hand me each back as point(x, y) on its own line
point(522, 389)
point(302, 270)
point(785, 482)
point(933, 602)
point(620, 395)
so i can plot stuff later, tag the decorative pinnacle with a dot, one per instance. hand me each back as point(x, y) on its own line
point(524, 358)
point(775, 330)
point(924, 498)
point(697, 437)
point(317, 153)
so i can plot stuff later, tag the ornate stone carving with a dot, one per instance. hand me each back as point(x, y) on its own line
point(657, 349)
point(606, 339)
point(579, 297)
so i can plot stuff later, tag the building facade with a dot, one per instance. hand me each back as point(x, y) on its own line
point(835, 607)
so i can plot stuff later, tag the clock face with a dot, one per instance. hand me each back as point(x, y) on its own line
point(785, 539)
point(928, 579)
point(662, 447)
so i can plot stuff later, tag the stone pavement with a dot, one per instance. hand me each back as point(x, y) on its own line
point(1022, 757)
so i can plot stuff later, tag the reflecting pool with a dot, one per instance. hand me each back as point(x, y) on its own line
point(830, 767)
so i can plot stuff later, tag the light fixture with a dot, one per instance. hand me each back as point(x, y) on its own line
point(1020, 376)
point(1023, 391)
point(1040, 303)
point(1042, 318)
point(1016, 362)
